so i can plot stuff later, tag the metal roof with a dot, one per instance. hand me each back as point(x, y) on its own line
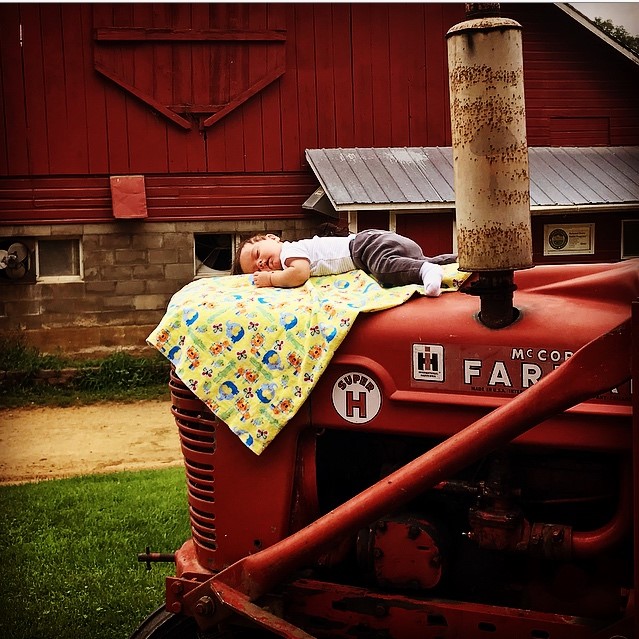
point(422, 177)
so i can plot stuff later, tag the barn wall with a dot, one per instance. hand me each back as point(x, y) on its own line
point(579, 90)
point(102, 95)
point(99, 101)
point(219, 197)
point(131, 268)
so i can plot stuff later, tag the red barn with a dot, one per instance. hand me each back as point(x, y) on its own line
point(140, 142)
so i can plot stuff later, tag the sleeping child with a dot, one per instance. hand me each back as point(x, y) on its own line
point(392, 259)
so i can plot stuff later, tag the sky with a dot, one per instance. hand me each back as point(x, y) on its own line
point(622, 14)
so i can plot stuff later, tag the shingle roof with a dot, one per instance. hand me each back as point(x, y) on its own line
point(422, 177)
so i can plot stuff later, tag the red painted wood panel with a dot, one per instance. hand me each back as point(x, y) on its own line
point(306, 76)
point(290, 112)
point(58, 89)
point(362, 74)
point(237, 68)
point(412, 47)
point(214, 138)
point(438, 19)
point(205, 197)
point(35, 101)
point(405, 52)
point(345, 115)
point(116, 102)
point(185, 149)
point(146, 148)
point(271, 100)
point(433, 232)
point(13, 150)
point(381, 75)
point(256, 68)
point(96, 139)
point(568, 73)
point(354, 75)
point(372, 220)
point(325, 62)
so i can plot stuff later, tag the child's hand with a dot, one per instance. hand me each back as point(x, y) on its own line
point(295, 274)
point(263, 278)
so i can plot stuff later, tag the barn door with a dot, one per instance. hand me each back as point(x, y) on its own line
point(191, 63)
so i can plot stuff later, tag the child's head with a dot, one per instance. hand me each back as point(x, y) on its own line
point(258, 253)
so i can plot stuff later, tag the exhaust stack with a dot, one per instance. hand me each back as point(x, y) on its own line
point(490, 156)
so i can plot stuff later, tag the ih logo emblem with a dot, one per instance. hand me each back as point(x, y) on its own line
point(357, 398)
point(428, 362)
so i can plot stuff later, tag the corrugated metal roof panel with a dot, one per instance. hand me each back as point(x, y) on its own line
point(422, 177)
point(370, 176)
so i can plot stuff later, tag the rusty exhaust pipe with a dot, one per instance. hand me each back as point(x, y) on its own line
point(490, 157)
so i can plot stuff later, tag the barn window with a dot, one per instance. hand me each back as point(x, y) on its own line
point(629, 238)
point(59, 259)
point(213, 254)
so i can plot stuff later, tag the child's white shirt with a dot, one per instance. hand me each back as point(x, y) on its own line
point(327, 255)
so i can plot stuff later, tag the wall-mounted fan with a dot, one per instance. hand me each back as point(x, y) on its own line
point(14, 261)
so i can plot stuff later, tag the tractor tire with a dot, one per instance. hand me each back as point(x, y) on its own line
point(166, 625)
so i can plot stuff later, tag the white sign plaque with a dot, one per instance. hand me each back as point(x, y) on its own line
point(569, 239)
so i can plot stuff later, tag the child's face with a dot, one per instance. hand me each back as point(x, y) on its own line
point(263, 255)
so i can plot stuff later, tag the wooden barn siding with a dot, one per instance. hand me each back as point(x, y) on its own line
point(579, 91)
point(356, 75)
point(434, 233)
point(332, 93)
point(169, 198)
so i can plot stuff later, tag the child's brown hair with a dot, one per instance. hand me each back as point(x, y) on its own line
point(236, 268)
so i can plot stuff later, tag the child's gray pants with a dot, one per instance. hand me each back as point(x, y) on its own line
point(392, 259)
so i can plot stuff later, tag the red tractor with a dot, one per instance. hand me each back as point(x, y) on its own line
point(455, 472)
point(495, 502)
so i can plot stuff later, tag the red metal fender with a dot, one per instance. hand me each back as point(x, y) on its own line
point(597, 367)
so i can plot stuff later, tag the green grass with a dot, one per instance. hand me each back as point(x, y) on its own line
point(118, 377)
point(69, 553)
point(70, 396)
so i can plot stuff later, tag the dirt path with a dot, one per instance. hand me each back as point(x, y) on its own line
point(49, 443)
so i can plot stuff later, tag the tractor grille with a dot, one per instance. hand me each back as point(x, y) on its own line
point(197, 426)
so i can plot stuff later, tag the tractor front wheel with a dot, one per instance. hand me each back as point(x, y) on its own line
point(165, 625)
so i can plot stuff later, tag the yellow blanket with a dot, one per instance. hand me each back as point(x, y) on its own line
point(253, 355)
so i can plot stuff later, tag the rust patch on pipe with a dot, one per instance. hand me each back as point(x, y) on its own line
point(491, 246)
point(485, 75)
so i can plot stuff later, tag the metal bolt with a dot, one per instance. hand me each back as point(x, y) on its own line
point(177, 588)
point(378, 553)
point(205, 606)
point(176, 607)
